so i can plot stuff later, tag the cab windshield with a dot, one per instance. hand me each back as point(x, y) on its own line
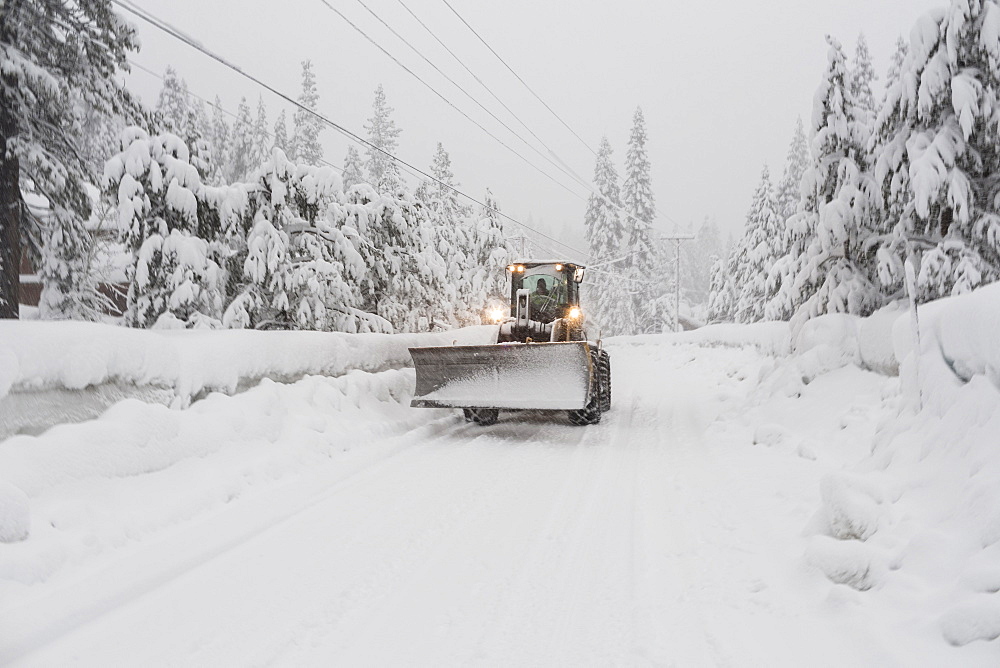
point(548, 292)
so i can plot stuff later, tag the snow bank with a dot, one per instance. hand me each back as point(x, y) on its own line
point(41, 357)
point(134, 438)
point(917, 519)
point(957, 340)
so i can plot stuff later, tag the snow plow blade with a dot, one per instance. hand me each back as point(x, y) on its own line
point(541, 376)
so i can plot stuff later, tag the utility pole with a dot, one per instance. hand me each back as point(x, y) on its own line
point(677, 239)
point(522, 241)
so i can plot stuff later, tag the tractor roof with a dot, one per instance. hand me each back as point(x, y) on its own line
point(536, 263)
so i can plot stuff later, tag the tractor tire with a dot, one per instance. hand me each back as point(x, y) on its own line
point(484, 416)
point(604, 367)
point(591, 413)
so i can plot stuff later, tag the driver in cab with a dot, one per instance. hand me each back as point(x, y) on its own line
point(542, 304)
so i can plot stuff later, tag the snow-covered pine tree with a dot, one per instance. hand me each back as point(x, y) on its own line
point(397, 247)
point(863, 77)
point(758, 250)
point(788, 192)
point(652, 300)
point(896, 64)
point(173, 103)
point(195, 132)
point(383, 173)
point(241, 144)
point(937, 154)
point(218, 139)
point(829, 266)
point(353, 169)
point(492, 255)
point(51, 55)
point(721, 292)
point(261, 147)
point(609, 289)
point(281, 136)
point(302, 269)
point(305, 136)
point(454, 239)
point(161, 209)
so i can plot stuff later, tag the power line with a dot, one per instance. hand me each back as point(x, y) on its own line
point(530, 90)
point(446, 100)
point(194, 44)
point(516, 75)
point(427, 60)
point(487, 88)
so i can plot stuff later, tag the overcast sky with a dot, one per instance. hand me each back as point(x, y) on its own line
point(720, 83)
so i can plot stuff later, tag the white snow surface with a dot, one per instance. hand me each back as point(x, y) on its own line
point(739, 506)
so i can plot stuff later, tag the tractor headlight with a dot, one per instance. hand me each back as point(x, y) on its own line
point(496, 315)
point(574, 313)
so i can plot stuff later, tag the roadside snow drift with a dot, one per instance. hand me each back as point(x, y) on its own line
point(44, 365)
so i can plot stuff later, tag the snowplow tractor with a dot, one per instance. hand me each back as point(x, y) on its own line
point(542, 359)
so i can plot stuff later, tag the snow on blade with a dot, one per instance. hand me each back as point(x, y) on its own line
point(546, 376)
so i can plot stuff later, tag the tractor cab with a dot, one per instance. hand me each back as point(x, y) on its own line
point(544, 302)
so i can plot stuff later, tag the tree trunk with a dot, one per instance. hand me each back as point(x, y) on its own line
point(10, 192)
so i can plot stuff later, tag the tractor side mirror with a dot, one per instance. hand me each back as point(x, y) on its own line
point(578, 275)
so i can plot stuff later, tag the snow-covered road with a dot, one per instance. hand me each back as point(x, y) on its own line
point(325, 522)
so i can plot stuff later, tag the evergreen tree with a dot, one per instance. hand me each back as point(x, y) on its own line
point(51, 55)
point(863, 77)
point(788, 192)
point(302, 269)
point(261, 147)
point(173, 103)
point(168, 225)
point(397, 250)
point(896, 66)
point(353, 168)
point(218, 139)
point(241, 144)
point(758, 251)
point(652, 303)
point(492, 256)
point(306, 148)
point(383, 134)
point(613, 305)
point(721, 293)
point(281, 135)
point(453, 240)
point(937, 158)
point(828, 267)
